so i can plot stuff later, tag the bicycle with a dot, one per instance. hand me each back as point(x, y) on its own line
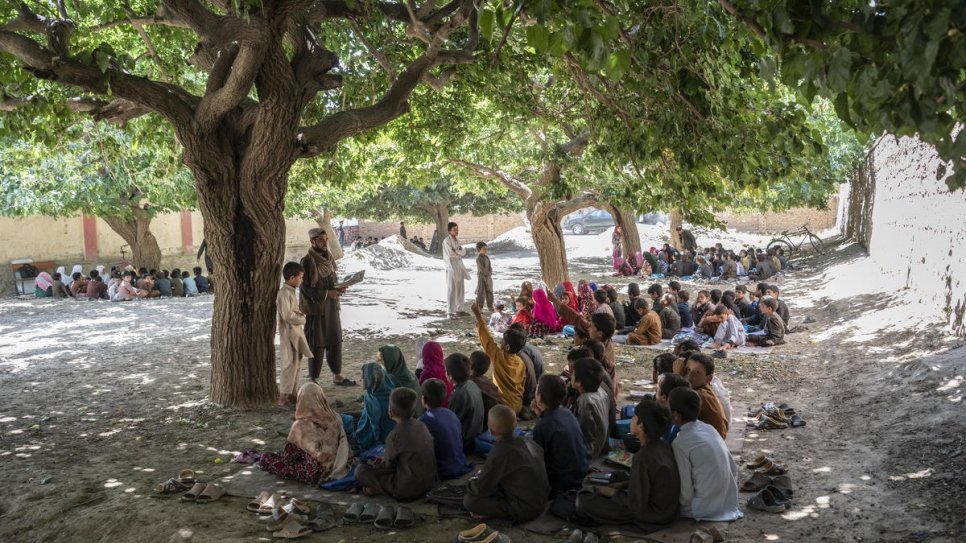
point(784, 241)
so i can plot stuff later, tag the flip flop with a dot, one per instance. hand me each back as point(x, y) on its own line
point(404, 518)
point(192, 495)
point(323, 520)
point(384, 518)
point(186, 477)
point(353, 513)
point(292, 530)
point(257, 502)
point(474, 534)
point(346, 382)
point(273, 502)
point(758, 462)
point(756, 482)
point(797, 421)
point(212, 492)
point(369, 513)
point(766, 501)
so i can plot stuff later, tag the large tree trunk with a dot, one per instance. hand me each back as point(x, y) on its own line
point(324, 219)
point(548, 238)
point(630, 237)
point(676, 221)
point(136, 232)
point(440, 214)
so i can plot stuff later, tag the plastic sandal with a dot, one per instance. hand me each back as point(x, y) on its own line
point(797, 421)
point(783, 483)
point(769, 423)
point(781, 494)
point(212, 492)
point(324, 519)
point(404, 518)
point(346, 382)
point(474, 534)
point(193, 494)
point(283, 519)
point(758, 462)
point(292, 530)
point(274, 501)
point(171, 486)
point(257, 502)
point(353, 513)
point(766, 501)
point(384, 518)
point(773, 468)
point(186, 477)
point(369, 513)
point(756, 482)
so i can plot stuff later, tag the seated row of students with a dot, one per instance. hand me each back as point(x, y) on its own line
point(122, 286)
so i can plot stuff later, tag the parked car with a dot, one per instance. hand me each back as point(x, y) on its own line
point(653, 218)
point(593, 221)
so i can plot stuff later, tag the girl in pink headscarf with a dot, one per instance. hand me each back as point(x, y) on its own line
point(544, 315)
point(433, 367)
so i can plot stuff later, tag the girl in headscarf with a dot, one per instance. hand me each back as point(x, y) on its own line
point(544, 315)
point(523, 315)
point(394, 361)
point(433, 367)
point(587, 303)
point(43, 285)
point(526, 291)
point(317, 449)
point(374, 422)
point(573, 300)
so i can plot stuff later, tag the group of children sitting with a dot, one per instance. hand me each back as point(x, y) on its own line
point(121, 285)
point(711, 263)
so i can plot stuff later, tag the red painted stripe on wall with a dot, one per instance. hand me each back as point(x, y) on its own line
point(91, 252)
point(187, 240)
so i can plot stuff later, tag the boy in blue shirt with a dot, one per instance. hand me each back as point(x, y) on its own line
point(446, 429)
point(558, 432)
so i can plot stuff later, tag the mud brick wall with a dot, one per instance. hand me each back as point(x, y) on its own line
point(914, 226)
point(472, 229)
point(816, 219)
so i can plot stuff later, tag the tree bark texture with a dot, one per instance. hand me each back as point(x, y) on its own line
point(548, 238)
point(324, 219)
point(676, 221)
point(440, 214)
point(136, 232)
point(630, 237)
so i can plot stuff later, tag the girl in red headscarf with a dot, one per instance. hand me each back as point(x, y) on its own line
point(433, 367)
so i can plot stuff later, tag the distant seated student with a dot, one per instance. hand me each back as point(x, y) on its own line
point(603, 303)
point(700, 369)
point(126, 291)
point(701, 306)
point(730, 333)
point(79, 285)
point(651, 497)
point(684, 310)
point(164, 284)
point(466, 401)
point(498, 320)
point(96, 289)
point(408, 470)
point(648, 331)
point(189, 284)
point(782, 310)
point(558, 433)
point(666, 382)
point(513, 482)
point(709, 476)
point(670, 319)
point(592, 405)
point(177, 286)
point(523, 315)
point(616, 307)
point(374, 423)
point(59, 290)
point(774, 328)
point(201, 281)
point(445, 428)
point(479, 365)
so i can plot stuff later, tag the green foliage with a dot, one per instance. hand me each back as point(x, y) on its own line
point(894, 67)
point(95, 169)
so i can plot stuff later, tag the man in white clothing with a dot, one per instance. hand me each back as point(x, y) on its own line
point(709, 476)
point(456, 273)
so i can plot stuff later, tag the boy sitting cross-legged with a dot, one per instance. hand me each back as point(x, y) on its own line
point(558, 432)
point(444, 426)
point(408, 470)
point(513, 482)
point(466, 400)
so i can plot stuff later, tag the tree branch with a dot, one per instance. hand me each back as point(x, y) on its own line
point(587, 199)
point(218, 29)
point(515, 184)
point(229, 82)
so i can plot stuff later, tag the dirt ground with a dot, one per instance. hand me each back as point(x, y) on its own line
point(99, 402)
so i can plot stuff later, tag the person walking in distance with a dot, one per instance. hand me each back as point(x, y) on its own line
point(456, 273)
point(319, 301)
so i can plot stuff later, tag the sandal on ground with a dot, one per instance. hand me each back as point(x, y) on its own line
point(369, 513)
point(384, 518)
point(212, 492)
point(576, 536)
point(756, 482)
point(274, 501)
point(257, 502)
point(193, 494)
point(186, 477)
point(284, 518)
point(783, 483)
point(707, 534)
point(474, 534)
point(758, 462)
point(353, 513)
point(773, 469)
point(292, 530)
point(780, 493)
point(797, 421)
point(346, 382)
point(171, 486)
point(404, 518)
point(324, 519)
point(766, 501)
point(297, 507)
point(496, 537)
point(769, 423)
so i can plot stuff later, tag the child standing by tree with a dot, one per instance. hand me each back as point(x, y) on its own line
point(484, 281)
point(290, 335)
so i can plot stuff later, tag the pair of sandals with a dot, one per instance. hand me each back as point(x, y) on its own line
point(289, 518)
point(481, 533)
point(759, 481)
point(384, 517)
point(771, 417)
point(203, 493)
point(767, 465)
point(577, 536)
point(771, 499)
point(174, 485)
